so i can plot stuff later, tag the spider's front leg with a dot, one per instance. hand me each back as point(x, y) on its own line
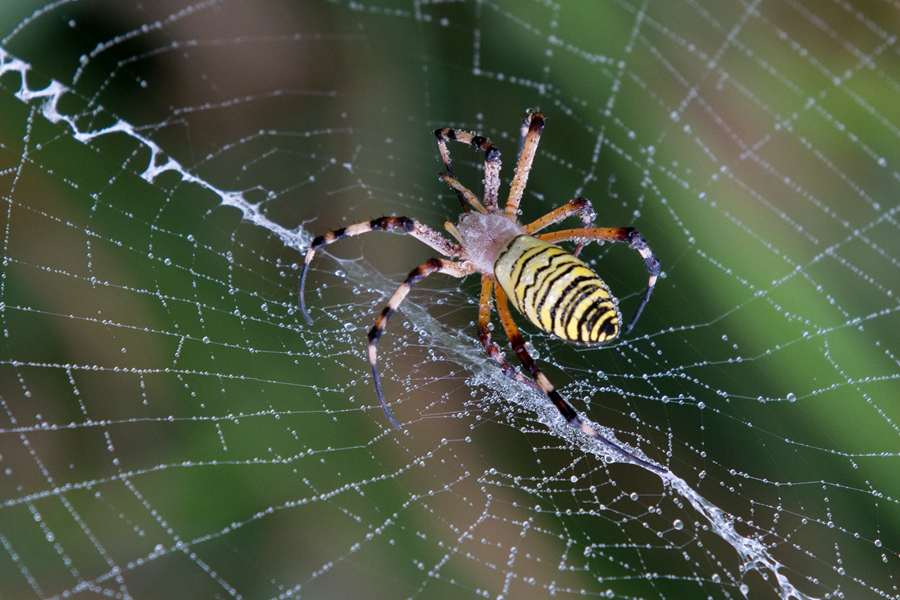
point(531, 130)
point(435, 265)
point(414, 228)
point(565, 409)
point(491, 162)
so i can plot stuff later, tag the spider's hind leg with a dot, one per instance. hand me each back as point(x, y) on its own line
point(484, 334)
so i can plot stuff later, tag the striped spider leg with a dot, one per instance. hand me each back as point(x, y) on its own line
point(531, 130)
point(435, 265)
point(578, 206)
point(491, 166)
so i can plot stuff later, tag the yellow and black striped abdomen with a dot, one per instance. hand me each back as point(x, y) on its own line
point(556, 291)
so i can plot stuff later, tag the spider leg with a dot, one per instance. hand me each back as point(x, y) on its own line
point(491, 162)
point(535, 123)
point(579, 206)
point(523, 132)
point(434, 265)
point(631, 236)
point(418, 230)
point(484, 334)
point(565, 409)
point(463, 191)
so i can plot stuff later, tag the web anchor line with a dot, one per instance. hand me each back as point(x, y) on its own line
point(159, 163)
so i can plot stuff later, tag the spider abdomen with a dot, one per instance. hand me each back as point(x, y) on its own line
point(556, 291)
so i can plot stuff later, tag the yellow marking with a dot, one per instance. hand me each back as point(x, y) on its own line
point(557, 292)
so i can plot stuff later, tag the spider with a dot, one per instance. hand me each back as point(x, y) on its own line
point(552, 288)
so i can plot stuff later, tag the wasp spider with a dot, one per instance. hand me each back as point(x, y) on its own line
point(555, 290)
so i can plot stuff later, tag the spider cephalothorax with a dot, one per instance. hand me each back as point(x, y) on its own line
point(551, 287)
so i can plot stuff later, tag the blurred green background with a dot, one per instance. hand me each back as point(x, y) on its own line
point(172, 428)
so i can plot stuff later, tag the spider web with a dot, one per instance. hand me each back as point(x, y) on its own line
point(171, 427)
